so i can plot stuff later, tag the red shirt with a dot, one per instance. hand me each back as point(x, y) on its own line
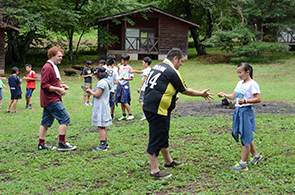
point(48, 78)
point(31, 83)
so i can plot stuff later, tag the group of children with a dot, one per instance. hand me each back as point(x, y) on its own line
point(246, 93)
point(14, 83)
point(119, 81)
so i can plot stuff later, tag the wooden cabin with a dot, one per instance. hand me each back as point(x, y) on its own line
point(153, 33)
point(4, 26)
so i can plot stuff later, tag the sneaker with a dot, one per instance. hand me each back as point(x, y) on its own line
point(122, 118)
point(239, 167)
point(89, 104)
point(254, 160)
point(27, 105)
point(30, 108)
point(65, 146)
point(130, 118)
point(7, 111)
point(14, 112)
point(173, 164)
point(0, 106)
point(45, 147)
point(85, 104)
point(143, 118)
point(160, 175)
point(100, 148)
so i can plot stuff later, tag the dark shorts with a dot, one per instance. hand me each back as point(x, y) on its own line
point(1, 95)
point(29, 92)
point(123, 93)
point(111, 100)
point(158, 132)
point(56, 111)
point(16, 97)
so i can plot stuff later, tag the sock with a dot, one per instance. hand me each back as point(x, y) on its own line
point(30, 105)
point(124, 114)
point(41, 141)
point(27, 103)
point(62, 138)
point(242, 162)
point(112, 115)
point(130, 114)
point(106, 141)
point(103, 143)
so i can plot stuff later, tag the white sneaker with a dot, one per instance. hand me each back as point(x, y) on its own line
point(85, 104)
point(89, 104)
point(143, 118)
point(122, 118)
point(130, 118)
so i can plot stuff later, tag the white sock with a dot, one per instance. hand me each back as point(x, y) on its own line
point(242, 162)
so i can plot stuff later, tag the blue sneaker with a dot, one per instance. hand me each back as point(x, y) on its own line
point(100, 148)
point(254, 160)
point(239, 167)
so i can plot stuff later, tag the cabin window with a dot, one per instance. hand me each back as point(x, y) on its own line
point(139, 39)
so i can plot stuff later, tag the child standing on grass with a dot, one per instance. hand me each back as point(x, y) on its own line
point(14, 83)
point(113, 76)
point(101, 116)
point(146, 62)
point(246, 93)
point(86, 74)
point(31, 85)
point(123, 95)
point(1, 86)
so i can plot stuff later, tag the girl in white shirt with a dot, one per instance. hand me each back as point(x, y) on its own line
point(246, 93)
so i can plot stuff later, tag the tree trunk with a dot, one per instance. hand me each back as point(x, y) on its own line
point(71, 35)
point(18, 46)
point(201, 49)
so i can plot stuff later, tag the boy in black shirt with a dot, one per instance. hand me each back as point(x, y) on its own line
point(87, 75)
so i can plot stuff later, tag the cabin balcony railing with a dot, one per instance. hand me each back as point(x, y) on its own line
point(141, 44)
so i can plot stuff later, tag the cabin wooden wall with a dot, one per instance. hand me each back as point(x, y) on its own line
point(2, 54)
point(172, 33)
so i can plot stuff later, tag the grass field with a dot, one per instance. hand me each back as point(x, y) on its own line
point(203, 143)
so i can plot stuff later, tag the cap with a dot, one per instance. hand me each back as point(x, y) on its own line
point(89, 62)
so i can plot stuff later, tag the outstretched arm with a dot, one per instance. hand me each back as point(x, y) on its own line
point(229, 96)
point(204, 93)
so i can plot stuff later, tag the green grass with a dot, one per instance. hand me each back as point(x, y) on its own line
point(203, 143)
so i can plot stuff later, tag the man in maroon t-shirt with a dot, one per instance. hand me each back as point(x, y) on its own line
point(51, 102)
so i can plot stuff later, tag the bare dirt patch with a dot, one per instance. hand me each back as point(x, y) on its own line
point(195, 108)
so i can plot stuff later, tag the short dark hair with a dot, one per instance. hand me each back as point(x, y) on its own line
point(14, 70)
point(102, 61)
point(88, 62)
point(29, 65)
point(110, 62)
point(125, 56)
point(112, 57)
point(175, 52)
point(147, 60)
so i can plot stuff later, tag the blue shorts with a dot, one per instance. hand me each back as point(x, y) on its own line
point(29, 92)
point(111, 100)
point(123, 93)
point(1, 95)
point(56, 111)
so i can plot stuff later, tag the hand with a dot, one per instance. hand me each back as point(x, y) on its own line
point(221, 94)
point(64, 86)
point(119, 65)
point(206, 95)
point(177, 97)
point(88, 90)
point(138, 90)
point(62, 91)
point(242, 101)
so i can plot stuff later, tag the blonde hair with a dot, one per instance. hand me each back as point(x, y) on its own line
point(53, 51)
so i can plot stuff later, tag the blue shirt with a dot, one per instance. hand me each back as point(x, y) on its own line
point(14, 84)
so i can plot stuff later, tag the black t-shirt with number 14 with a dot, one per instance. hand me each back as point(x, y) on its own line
point(162, 85)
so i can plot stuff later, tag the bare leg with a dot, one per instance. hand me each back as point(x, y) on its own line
point(245, 153)
point(154, 163)
point(112, 110)
point(127, 106)
point(30, 100)
point(123, 108)
point(84, 98)
point(102, 133)
point(252, 149)
point(166, 154)
point(14, 105)
point(88, 97)
point(9, 104)
point(43, 132)
point(62, 129)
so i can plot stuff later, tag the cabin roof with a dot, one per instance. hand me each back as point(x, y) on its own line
point(151, 8)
